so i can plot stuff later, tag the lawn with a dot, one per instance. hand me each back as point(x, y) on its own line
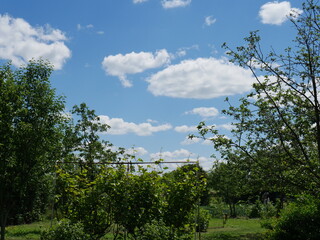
point(239, 228)
point(234, 229)
point(26, 231)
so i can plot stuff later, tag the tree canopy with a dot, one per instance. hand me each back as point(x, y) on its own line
point(30, 120)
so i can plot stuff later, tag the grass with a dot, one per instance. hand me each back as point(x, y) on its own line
point(234, 229)
point(238, 228)
point(26, 231)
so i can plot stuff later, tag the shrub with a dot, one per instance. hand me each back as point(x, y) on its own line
point(202, 220)
point(65, 230)
point(156, 230)
point(299, 220)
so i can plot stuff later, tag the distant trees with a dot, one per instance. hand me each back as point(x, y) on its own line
point(30, 120)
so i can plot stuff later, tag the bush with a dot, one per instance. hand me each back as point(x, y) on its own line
point(202, 220)
point(299, 220)
point(65, 230)
point(156, 230)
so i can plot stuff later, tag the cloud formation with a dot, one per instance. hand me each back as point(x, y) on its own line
point(202, 78)
point(204, 111)
point(185, 129)
point(175, 3)
point(20, 42)
point(121, 65)
point(277, 13)
point(189, 141)
point(120, 127)
point(181, 155)
point(136, 151)
point(209, 20)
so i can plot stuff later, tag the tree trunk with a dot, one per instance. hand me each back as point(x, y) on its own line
point(3, 222)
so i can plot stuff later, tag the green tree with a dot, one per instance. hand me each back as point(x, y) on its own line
point(86, 201)
point(227, 181)
point(30, 115)
point(277, 125)
point(182, 191)
point(137, 197)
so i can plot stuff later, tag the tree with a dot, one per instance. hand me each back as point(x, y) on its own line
point(183, 189)
point(30, 116)
point(277, 125)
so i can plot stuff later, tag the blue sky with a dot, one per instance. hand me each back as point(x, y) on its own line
point(152, 69)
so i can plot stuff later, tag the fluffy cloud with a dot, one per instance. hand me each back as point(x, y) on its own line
point(226, 126)
point(209, 20)
point(120, 65)
point(277, 12)
point(120, 127)
point(202, 78)
point(204, 111)
point(175, 3)
point(181, 155)
point(189, 141)
point(137, 151)
point(185, 129)
point(20, 42)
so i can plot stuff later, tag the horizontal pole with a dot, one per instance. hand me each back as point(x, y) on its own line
point(120, 163)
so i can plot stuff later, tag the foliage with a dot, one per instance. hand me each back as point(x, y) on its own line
point(156, 230)
point(182, 191)
point(84, 202)
point(137, 198)
point(65, 230)
point(299, 220)
point(133, 201)
point(202, 220)
point(30, 136)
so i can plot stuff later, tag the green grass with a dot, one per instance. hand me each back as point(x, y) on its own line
point(239, 228)
point(234, 229)
point(26, 231)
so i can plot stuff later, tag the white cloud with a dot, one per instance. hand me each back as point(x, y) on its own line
point(175, 3)
point(202, 78)
point(181, 154)
point(226, 126)
point(120, 65)
point(210, 140)
point(205, 163)
point(207, 142)
point(88, 26)
point(209, 20)
point(184, 50)
point(139, 1)
point(20, 42)
point(181, 53)
point(185, 129)
point(204, 111)
point(189, 141)
point(120, 127)
point(277, 13)
point(137, 151)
